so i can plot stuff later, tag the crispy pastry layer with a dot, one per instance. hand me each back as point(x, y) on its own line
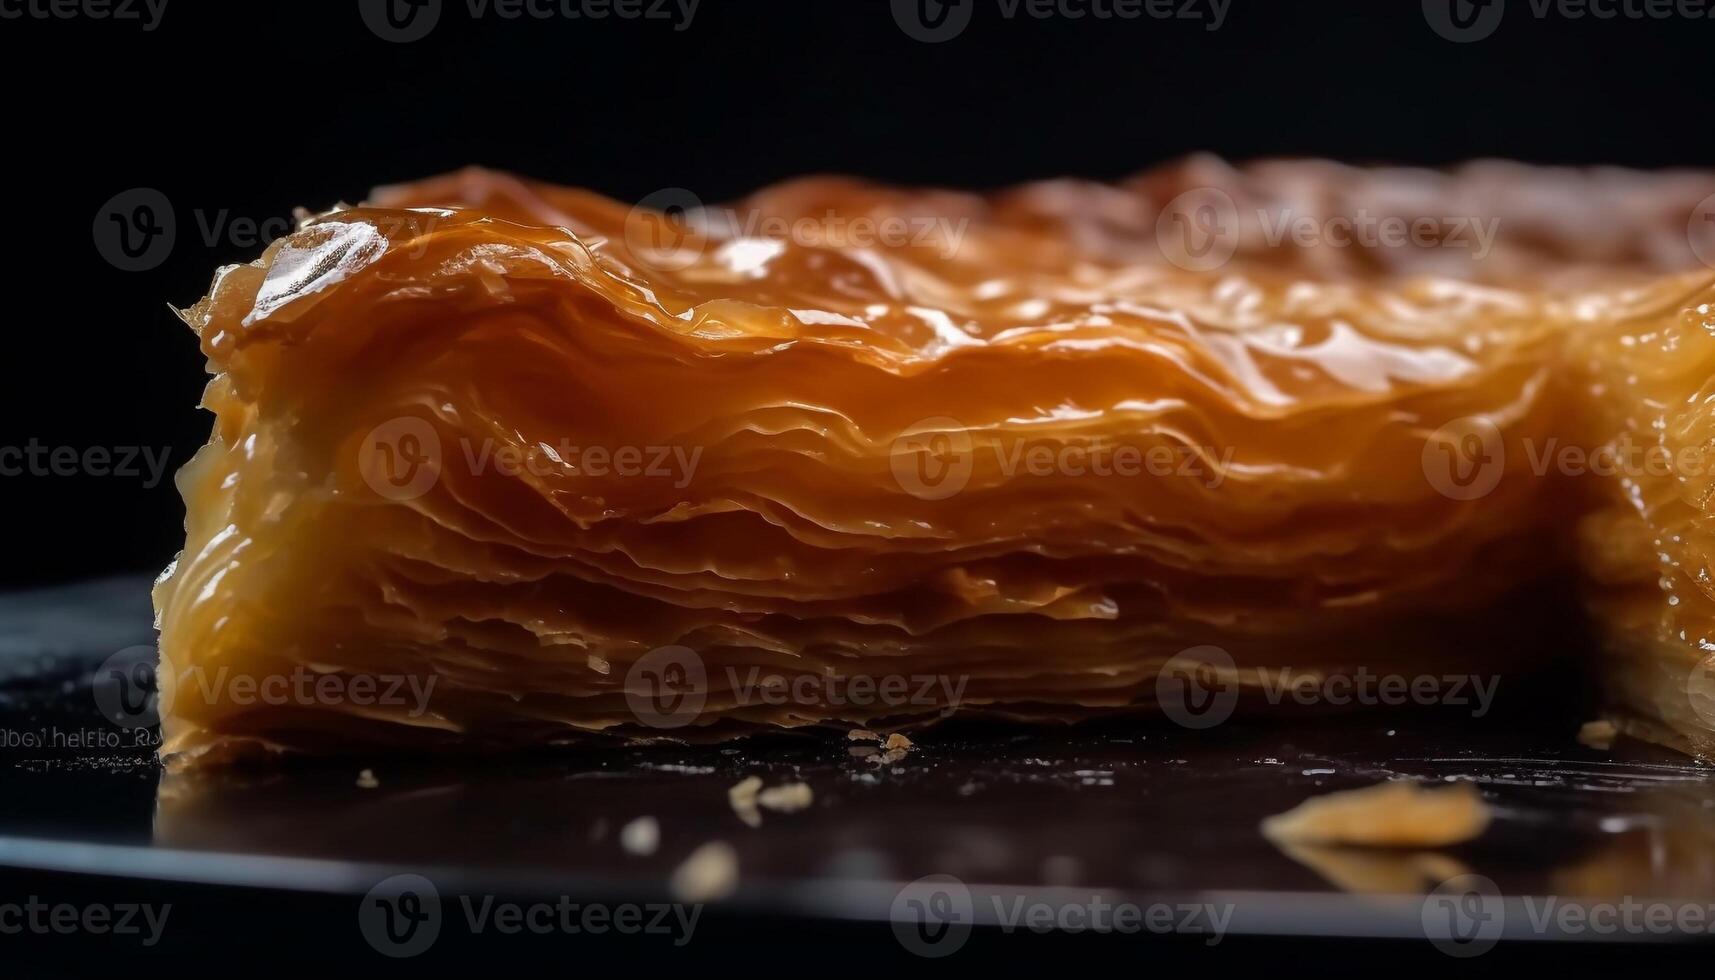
point(548, 465)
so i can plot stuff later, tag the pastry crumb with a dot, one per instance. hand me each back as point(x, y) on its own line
point(1598, 734)
point(749, 794)
point(744, 789)
point(788, 798)
point(641, 836)
point(710, 873)
point(897, 741)
point(863, 735)
point(742, 798)
point(599, 664)
point(1392, 814)
point(366, 779)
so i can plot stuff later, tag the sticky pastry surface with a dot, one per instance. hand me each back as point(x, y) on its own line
point(1647, 367)
point(546, 465)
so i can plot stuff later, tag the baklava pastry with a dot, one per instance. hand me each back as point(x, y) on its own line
point(1646, 542)
point(499, 465)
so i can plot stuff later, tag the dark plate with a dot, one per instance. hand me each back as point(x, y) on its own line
point(1079, 817)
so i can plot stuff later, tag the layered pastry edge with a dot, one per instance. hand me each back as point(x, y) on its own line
point(812, 383)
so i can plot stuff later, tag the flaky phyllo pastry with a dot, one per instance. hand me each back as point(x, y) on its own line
point(498, 464)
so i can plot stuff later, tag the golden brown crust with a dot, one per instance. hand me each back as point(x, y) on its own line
point(848, 434)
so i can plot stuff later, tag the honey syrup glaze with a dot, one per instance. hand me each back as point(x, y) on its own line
point(528, 446)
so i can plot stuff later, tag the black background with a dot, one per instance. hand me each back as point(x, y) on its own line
point(253, 108)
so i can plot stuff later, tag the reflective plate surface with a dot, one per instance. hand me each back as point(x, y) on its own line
point(1140, 813)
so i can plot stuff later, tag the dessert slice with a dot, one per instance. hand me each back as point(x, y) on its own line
point(1646, 363)
point(497, 464)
